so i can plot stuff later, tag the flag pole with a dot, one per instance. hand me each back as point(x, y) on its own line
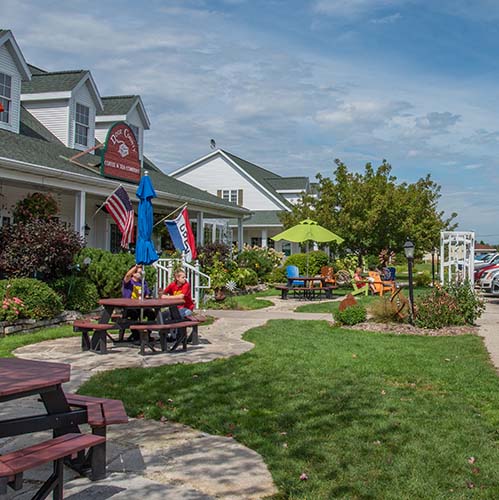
point(105, 201)
point(170, 214)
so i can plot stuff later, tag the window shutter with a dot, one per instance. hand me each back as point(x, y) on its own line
point(219, 193)
point(240, 197)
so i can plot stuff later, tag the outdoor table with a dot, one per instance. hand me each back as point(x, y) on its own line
point(21, 378)
point(308, 290)
point(156, 304)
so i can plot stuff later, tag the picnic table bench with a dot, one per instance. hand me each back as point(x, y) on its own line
point(14, 464)
point(306, 292)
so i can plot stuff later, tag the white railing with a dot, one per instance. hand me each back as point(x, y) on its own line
point(198, 280)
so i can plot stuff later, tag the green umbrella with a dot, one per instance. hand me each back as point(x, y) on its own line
point(305, 231)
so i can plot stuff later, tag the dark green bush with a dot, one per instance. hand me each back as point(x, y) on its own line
point(40, 301)
point(211, 252)
point(351, 315)
point(106, 270)
point(77, 293)
point(316, 259)
point(261, 260)
point(447, 306)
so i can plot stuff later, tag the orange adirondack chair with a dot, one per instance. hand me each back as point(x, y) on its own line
point(379, 285)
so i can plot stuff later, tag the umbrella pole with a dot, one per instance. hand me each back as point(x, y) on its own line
point(142, 295)
point(307, 257)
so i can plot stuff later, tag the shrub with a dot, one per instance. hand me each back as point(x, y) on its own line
point(77, 293)
point(12, 308)
point(106, 270)
point(422, 279)
point(447, 306)
point(36, 206)
point(348, 263)
point(244, 277)
point(316, 259)
point(351, 315)
point(40, 301)
point(278, 275)
point(262, 260)
point(382, 311)
point(38, 248)
point(209, 253)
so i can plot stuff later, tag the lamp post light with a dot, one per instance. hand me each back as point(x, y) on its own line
point(409, 253)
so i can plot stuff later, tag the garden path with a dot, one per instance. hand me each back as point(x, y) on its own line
point(163, 459)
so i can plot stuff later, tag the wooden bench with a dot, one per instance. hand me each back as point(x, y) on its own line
point(98, 342)
point(306, 291)
point(13, 465)
point(163, 330)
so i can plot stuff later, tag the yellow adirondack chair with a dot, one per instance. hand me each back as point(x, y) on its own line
point(379, 285)
point(360, 289)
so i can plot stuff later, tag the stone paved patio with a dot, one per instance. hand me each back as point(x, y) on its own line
point(160, 459)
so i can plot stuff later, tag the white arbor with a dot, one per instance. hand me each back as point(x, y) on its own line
point(457, 256)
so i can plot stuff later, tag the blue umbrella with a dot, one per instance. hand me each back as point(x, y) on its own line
point(144, 250)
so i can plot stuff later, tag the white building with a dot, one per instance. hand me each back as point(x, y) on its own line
point(247, 185)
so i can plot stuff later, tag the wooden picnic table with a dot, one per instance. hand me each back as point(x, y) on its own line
point(307, 290)
point(171, 303)
point(21, 378)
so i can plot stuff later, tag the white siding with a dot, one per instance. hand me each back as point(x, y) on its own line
point(217, 173)
point(101, 130)
point(292, 197)
point(54, 115)
point(8, 67)
point(82, 96)
point(133, 117)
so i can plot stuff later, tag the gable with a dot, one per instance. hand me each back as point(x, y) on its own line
point(217, 173)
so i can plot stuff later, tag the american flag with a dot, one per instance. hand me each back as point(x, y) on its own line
point(120, 209)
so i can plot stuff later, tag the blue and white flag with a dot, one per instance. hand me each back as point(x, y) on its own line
point(182, 236)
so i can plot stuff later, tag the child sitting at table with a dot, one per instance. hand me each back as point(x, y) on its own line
point(132, 289)
point(180, 287)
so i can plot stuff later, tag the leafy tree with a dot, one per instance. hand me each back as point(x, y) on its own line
point(372, 212)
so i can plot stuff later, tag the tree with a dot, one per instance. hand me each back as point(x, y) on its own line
point(372, 212)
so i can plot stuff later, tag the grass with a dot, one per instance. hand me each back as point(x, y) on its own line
point(12, 342)
point(244, 302)
point(364, 415)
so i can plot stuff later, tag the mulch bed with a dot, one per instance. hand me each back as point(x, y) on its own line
point(406, 329)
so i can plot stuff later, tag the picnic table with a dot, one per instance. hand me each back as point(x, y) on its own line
point(307, 290)
point(20, 378)
point(100, 330)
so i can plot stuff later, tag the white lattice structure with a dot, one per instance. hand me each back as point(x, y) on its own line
point(457, 256)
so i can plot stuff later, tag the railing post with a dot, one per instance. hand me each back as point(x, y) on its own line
point(196, 284)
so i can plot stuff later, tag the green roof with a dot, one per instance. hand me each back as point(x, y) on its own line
point(36, 145)
point(261, 218)
point(289, 183)
point(59, 81)
point(117, 104)
point(35, 70)
point(261, 175)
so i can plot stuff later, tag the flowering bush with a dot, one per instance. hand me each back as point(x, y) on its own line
point(36, 206)
point(12, 309)
point(449, 305)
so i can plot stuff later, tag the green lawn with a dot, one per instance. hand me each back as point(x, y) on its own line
point(364, 415)
point(12, 342)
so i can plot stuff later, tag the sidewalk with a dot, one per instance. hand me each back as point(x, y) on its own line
point(161, 460)
point(489, 329)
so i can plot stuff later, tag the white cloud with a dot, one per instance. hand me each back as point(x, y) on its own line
point(387, 19)
point(351, 8)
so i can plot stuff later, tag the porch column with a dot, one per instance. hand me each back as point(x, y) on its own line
point(200, 229)
point(80, 206)
point(214, 232)
point(264, 238)
point(240, 239)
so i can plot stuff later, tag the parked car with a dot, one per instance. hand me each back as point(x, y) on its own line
point(492, 258)
point(481, 270)
point(488, 278)
point(494, 287)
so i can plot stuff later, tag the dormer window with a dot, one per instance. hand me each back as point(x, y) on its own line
point(82, 122)
point(5, 97)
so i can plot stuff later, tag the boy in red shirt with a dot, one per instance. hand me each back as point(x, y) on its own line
point(180, 288)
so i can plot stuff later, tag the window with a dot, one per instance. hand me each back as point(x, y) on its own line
point(82, 121)
point(5, 97)
point(5, 221)
point(256, 242)
point(230, 195)
point(115, 245)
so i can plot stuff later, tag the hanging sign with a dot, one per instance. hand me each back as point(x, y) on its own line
point(120, 156)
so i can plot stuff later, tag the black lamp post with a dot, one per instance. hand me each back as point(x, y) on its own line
point(409, 253)
point(433, 252)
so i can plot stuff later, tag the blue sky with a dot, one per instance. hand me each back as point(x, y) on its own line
point(292, 85)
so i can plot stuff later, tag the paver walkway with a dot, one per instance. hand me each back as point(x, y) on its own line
point(162, 460)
